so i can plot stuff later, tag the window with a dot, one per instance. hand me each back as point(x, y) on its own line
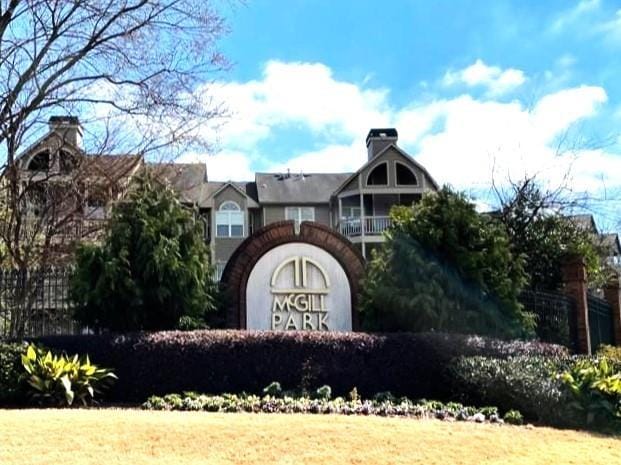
point(40, 162)
point(299, 214)
point(405, 176)
point(229, 220)
point(351, 212)
point(379, 176)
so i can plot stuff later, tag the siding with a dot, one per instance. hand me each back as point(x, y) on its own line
point(275, 213)
point(322, 214)
point(229, 193)
point(225, 247)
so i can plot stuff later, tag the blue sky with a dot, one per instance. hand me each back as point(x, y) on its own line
point(478, 90)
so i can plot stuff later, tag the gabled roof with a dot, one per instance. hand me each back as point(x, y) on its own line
point(39, 143)
point(301, 188)
point(244, 189)
point(372, 160)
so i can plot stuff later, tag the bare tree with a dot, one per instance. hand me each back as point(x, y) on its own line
point(137, 74)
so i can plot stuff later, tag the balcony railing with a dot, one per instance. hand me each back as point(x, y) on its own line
point(373, 225)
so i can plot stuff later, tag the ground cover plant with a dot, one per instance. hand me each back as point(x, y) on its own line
point(120, 436)
point(275, 400)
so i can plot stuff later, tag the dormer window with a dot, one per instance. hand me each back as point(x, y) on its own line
point(229, 220)
point(40, 162)
point(405, 176)
point(378, 176)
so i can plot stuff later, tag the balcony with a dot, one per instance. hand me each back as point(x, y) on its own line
point(373, 226)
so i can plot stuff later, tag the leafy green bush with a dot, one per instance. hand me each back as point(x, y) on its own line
point(545, 238)
point(60, 380)
point(445, 267)
point(595, 385)
point(11, 391)
point(513, 417)
point(525, 383)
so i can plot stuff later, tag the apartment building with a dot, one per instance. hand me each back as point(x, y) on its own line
point(355, 204)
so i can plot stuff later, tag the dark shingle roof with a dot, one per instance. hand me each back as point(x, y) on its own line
point(114, 167)
point(187, 179)
point(298, 188)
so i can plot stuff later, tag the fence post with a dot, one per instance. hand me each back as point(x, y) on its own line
point(575, 286)
point(612, 295)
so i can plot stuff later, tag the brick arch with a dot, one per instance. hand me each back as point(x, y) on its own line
point(237, 271)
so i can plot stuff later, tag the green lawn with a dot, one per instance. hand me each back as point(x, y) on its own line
point(134, 437)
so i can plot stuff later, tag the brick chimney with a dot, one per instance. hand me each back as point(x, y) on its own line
point(68, 127)
point(379, 139)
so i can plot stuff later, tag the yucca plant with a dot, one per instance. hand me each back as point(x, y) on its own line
point(60, 380)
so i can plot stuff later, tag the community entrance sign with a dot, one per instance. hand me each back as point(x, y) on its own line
point(298, 286)
point(281, 280)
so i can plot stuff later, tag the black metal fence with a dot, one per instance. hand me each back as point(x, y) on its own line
point(555, 313)
point(600, 322)
point(36, 303)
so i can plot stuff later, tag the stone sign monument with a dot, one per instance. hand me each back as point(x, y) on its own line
point(280, 280)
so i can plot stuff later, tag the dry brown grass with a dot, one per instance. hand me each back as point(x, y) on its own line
point(133, 437)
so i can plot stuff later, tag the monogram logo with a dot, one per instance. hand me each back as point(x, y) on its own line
point(300, 303)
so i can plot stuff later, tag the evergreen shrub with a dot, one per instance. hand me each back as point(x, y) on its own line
point(11, 391)
point(410, 364)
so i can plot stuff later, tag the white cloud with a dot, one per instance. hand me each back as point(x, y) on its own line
point(612, 28)
point(574, 14)
point(333, 158)
point(484, 139)
point(223, 166)
point(295, 93)
point(496, 80)
point(464, 141)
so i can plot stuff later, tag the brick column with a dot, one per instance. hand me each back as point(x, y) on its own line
point(575, 286)
point(612, 294)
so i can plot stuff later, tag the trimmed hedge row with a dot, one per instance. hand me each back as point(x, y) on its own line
point(407, 364)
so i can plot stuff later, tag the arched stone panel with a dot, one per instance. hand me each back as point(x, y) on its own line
point(241, 264)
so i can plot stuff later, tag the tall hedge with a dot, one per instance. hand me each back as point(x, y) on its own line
point(234, 361)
